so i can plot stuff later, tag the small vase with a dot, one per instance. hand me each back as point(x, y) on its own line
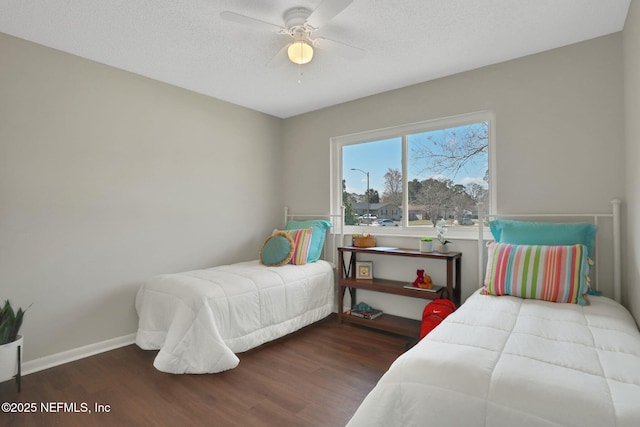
point(426, 246)
point(443, 249)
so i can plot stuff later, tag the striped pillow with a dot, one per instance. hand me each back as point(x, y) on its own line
point(549, 273)
point(301, 241)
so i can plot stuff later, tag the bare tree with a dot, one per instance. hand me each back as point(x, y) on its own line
point(460, 201)
point(448, 153)
point(433, 196)
point(393, 187)
point(475, 191)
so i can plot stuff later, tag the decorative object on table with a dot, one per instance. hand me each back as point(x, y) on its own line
point(10, 343)
point(426, 244)
point(441, 227)
point(363, 240)
point(364, 311)
point(364, 270)
point(423, 280)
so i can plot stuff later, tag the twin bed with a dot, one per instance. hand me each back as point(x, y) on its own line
point(199, 319)
point(505, 360)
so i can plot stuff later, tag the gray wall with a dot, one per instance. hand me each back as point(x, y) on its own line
point(107, 178)
point(559, 138)
point(559, 119)
point(631, 43)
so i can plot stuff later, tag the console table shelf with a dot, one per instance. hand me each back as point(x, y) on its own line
point(387, 322)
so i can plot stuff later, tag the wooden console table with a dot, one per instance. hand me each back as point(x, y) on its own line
point(396, 324)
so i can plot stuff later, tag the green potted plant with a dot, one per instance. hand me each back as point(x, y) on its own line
point(10, 322)
point(426, 244)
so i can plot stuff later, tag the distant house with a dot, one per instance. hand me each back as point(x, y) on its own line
point(379, 210)
point(417, 212)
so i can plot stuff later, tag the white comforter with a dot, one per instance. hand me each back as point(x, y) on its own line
point(505, 361)
point(199, 319)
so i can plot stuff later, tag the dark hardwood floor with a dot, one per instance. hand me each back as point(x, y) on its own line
point(315, 377)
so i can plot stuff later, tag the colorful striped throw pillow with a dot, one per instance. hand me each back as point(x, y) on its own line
point(319, 227)
point(301, 241)
point(549, 273)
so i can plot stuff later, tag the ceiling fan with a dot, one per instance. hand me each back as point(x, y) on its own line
point(300, 23)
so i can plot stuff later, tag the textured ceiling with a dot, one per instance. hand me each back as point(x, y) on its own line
point(187, 44)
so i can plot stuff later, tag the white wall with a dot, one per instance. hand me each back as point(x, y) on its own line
point(631, 43)
point(107, 178)
point(560, 135)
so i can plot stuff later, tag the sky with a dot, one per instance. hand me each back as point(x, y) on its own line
point(377, 157)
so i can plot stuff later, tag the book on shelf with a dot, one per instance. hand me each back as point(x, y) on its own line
point(365, 314)
point(434, 289)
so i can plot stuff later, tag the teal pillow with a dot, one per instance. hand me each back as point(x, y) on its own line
point(320, 227)
point(544, 233)
point(277, 249)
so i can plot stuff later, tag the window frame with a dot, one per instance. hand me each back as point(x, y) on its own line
point(401, 131)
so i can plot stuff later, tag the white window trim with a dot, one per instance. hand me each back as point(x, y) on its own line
point(400, 131)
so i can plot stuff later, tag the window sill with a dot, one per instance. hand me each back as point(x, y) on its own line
point(453, 233)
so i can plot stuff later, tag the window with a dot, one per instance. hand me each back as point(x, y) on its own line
point(414, 175)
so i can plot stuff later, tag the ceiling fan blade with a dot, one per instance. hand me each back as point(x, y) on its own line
point(252, 22)
point(325, 11)
point(343, 49)
point(279, 58)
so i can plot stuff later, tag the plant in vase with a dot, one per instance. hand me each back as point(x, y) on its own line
point(10, 323)
point(441, 227)
point(426, 244)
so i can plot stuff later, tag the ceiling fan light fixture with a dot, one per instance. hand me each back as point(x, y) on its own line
point(300, 52)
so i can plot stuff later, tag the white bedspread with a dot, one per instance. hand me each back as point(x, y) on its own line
point(199, 319)
point(505, 361)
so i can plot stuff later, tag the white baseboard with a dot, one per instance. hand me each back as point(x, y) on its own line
point(76, 353)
